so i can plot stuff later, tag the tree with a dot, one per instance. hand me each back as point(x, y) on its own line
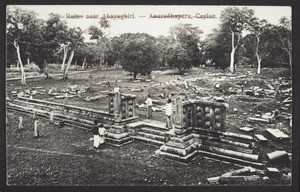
point(178, 57)
point(257, 27)
point(216, 48)
point(23, 34)
point(139, 54)
point(189, 38)
point(163, 43)
point(269, 51)
point(246, 52)
point(55, 34)
point(101, 37)
point(65, 48)
point(117, 44)
point(284, 31)
point(235, 20)
point(23, 77)
point(74, 41)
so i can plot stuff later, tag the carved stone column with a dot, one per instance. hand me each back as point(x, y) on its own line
point(117, 108)
point(178, 117)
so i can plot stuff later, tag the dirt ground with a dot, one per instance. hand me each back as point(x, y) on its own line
point(64, 156)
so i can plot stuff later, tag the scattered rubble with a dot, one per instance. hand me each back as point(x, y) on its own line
point(277, 134)
point(219, 99)
point(272, 171)
point(246, 129)
point(265, 178)
point(237, 176)
point(136, 90)
point(213, 180)
point(260, 138)
point(277, 156)
point(95, 98)
point(255, 119)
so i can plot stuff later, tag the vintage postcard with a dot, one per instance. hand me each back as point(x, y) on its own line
point(141, 95)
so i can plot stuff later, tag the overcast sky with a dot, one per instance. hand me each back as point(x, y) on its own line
point(142, 21)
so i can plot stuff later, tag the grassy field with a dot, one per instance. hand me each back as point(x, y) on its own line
point(64, 156)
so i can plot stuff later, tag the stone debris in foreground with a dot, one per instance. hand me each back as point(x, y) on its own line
point(277, 156)
point(246, 129)
point(277, 134)
point(255, 119)
point(260, 138)
point(236, 176)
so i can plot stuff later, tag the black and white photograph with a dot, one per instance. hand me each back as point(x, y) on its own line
point(149, 95)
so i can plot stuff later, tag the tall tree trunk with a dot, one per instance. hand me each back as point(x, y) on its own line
point(46, 70)
point(18, 65)
point(64, 59)
point(83, 64)
point(134, 75)
point(65, 75)
point(290, 60)
point(258, 63)
point(257, 55)
point(232, 68)
point(23, 77)
point(76, 64)
point(28, 60)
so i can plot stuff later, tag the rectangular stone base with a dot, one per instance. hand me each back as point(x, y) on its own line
point(182, 159)
point(119, 142)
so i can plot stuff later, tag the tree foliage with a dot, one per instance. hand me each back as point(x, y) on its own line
point(178, 57)
point(139, 54)
point(52, 40)
point(24, 27)
point(270, 48)
point(216, 48)
point(234, 20)
point(284, 32)
point(188, 37)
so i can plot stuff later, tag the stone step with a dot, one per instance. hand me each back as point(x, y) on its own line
point(229, 159)
point(175, 157)
point(135, 124)
point(148, 140)
point(151, 136)
point(154, 131)
point(155, 124)
point(118, 142)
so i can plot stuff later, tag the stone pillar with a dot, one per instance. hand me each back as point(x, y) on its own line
point(20, 126)
point(111, 103)
point(126, 108)
point(194, 115)
point(212, 119)
point(51, 117)
point(179, 123)
point(36, 131)
point(117, 108)
point(133, 107)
